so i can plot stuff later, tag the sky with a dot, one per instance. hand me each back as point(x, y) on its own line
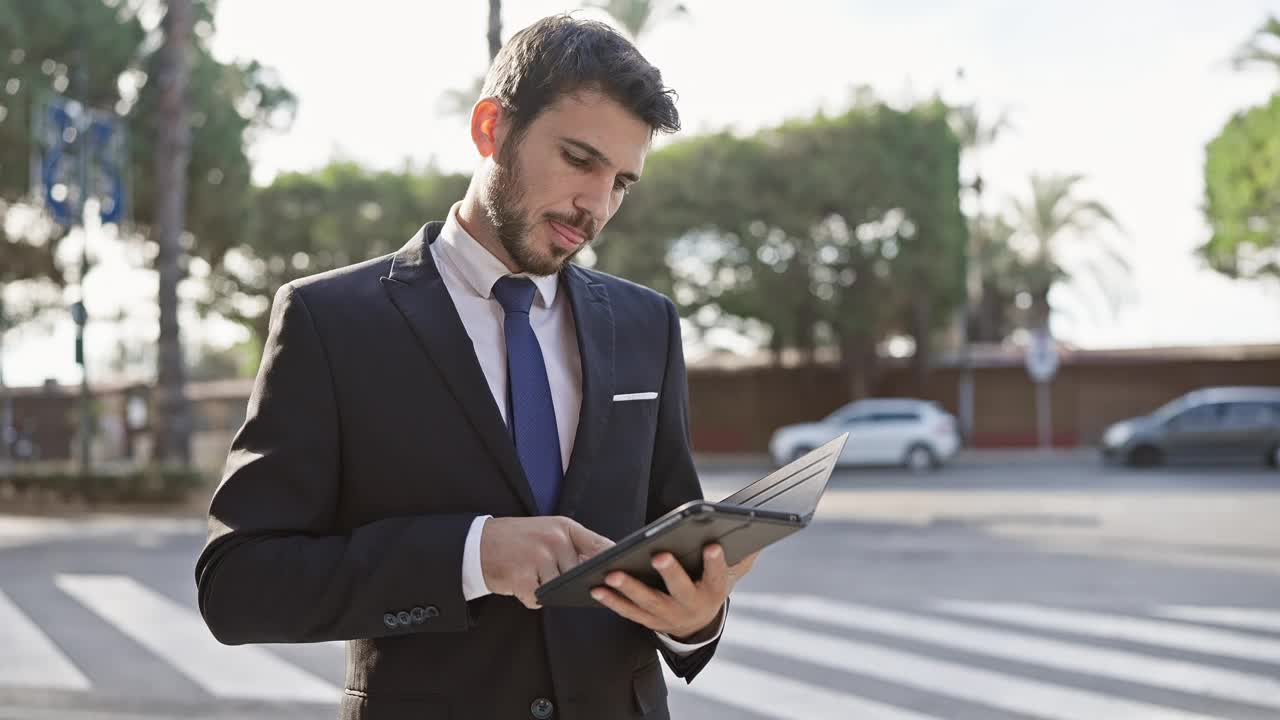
point(1126, 94)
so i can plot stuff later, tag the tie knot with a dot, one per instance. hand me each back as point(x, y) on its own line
point(515, 294)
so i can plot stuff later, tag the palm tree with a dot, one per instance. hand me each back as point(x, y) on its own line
point(639, 16)
point(173, 151)
point(1054, 216)
point(458, 102)
point(1255, 51)
point(977, 132)
point(494, 35)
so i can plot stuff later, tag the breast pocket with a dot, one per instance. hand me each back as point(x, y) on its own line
point(635, 411)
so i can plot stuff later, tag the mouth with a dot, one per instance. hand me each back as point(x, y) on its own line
point(568, 237)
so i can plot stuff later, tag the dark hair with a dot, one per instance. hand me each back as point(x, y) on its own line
point(561, 55)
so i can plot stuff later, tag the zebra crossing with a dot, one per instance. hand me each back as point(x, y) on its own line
point(782, 656)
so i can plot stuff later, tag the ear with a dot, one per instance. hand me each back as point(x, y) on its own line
point(487, 126)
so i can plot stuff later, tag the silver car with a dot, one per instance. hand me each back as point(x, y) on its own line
point(1217, 424)
point(917, 434)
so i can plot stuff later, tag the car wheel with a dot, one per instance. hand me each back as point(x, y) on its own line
point(1145, 456)
point(920, 459)
point(799, 453)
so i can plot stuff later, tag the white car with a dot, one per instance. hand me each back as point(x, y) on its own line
point(882, 431)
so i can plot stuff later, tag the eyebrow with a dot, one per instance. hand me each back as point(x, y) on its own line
point(601, 157)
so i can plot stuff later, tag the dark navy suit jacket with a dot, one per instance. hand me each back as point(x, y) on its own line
point(372, 441)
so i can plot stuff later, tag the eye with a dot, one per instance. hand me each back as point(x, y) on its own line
point(620, 186)
point(575, 160)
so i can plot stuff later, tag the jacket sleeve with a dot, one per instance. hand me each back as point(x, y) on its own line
point(275, 567)
point(674, 479)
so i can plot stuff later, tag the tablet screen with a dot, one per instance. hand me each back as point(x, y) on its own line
point(797, 486)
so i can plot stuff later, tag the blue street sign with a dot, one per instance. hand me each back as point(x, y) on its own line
point(54, 126)
point(107, 158)
point(63, 130)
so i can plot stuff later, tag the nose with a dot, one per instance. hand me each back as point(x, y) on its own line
point(596, 198)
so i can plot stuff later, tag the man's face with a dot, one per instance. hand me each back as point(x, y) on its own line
point(552, 192)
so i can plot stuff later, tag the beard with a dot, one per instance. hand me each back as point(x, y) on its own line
point(502, 198)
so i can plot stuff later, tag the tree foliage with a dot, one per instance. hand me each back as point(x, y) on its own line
point(1242, 194)
point(830, 230)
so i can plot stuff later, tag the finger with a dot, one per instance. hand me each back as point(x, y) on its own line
point(744, 565)
point(566, 558)
point(715, 574)
point(587, 542)
point(646, 598)
point(627, 609)
point(677, 580)
point(548, 569)
point(525, 585)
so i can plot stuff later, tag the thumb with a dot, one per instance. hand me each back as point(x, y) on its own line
point(586, 542)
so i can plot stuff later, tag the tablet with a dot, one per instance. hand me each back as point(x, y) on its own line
point(751, 519)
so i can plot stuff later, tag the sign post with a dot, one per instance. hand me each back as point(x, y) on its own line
point(1042, 364)
point(79, 154)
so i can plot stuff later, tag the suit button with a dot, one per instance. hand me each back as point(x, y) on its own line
point(541, 709)
point(403, 617)
point(433, 611)
point(418, 614)
point(390, 621)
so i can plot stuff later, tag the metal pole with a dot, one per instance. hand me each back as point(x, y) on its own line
point(1044, 415)
point(82, 141)
point(6, 402)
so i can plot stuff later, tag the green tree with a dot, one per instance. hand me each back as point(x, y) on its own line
point(638, 17)
point(1242, 194)
point(1054, 215)
point(308, 222)
point(43, 45)
point(1004, 274)
point(838, 231)
point(1263, 47)
point(230, 104)
point(1242, 177)
point(988, 257)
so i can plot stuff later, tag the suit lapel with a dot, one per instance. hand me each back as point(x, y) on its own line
point(416, 288)
point(593, 317)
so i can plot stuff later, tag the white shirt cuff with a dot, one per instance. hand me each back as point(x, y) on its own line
point(680, 648)
point(473, 585)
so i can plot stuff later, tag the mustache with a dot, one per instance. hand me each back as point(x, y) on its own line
point(580, 221)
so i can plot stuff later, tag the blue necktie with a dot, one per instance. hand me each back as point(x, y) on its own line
point(530, 414)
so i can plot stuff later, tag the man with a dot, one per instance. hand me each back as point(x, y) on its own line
point(435, 433)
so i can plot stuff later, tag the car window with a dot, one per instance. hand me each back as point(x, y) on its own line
point(1247, 415)
point(843, 413)
point(1173, 408)
point(1202, 417)
point(898, 417)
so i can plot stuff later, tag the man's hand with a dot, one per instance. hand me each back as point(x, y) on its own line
point(688, 607)
point(518, 554)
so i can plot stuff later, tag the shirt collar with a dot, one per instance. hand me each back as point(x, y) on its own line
point(479, 267)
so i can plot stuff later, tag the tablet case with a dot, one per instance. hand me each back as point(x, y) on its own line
point(740, 530)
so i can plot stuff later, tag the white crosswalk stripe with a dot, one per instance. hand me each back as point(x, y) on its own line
point(1075, 657)
point(28, 658)
point(767, 694)
point(1007, 692)
point(1246, 618)
point(1223, 643)
point(790, 635)
point(180, 637)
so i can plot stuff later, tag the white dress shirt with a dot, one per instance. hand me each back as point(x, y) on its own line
point(469, 272)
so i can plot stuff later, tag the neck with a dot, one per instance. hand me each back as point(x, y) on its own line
point(472, 217)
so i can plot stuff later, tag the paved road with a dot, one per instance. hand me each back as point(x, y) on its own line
point(1042, 590)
